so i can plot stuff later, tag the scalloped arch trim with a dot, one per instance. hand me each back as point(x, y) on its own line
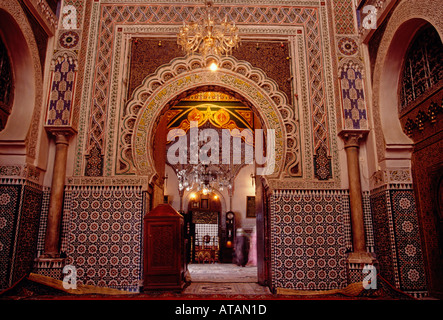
point(182, 75)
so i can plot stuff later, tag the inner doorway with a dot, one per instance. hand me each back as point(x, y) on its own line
point(214, 250)
point(217, 200)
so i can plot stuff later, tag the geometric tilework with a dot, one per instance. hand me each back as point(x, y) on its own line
point(344, 16)
point(352, 90)
point(397, 239)
point(9, 202)
point(69, 40)
point(308, 240)
point(43, 221)
point(408, 244)
point(347, 222)
point(61, 92)
point(347, 46)
point(66, 221)
point(19, 222)
point(384, 241)
point(27, 233)
point(105, 235)
point(369, 231)
point(322, 164)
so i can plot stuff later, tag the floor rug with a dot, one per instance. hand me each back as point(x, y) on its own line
point(226, 289)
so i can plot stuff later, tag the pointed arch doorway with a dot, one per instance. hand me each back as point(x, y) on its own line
point(142, 152)
point(207, 195)
point(403, 87)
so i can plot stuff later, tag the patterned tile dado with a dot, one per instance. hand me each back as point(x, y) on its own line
point(19, 222)
point(27, 232)
point(43, 220)
point(397, 239)
point(308, 239)
point(344, 16)
point(104, 236)
point(9, 202)
point(384, 242)
point(410, 257)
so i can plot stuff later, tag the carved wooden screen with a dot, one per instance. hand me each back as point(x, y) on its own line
point(423, 68)
point(162, 245)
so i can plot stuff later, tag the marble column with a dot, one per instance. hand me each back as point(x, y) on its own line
point(352, 145)
point(52, 240)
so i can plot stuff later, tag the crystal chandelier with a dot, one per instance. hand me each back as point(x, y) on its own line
point(207, 37)
point(199, 177)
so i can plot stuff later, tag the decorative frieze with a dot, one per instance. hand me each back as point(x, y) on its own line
point(22, 174)
point(390, 177)
point(44, 14)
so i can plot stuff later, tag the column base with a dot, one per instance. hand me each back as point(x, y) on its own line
point(361, 258)
point(50, 267)
point(355, 263)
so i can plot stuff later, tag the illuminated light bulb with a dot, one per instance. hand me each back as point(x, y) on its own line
point(213, 66)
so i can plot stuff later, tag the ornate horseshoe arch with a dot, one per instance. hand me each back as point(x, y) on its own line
point(182, 75)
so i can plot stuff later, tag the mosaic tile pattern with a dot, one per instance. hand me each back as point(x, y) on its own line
point(322, 164)
point(27, 234)
point(381, 216)
point(69, 40)
point(62, 92)
point(369, 230)
point(43, 221)
point(308, 242)
point(347, 46)
point(353, 98)
point(409, 252)
point(344, 16)
point(347, 222)
point(105, 236)
point(397, 239)
point(9, 202)
point(19, 223)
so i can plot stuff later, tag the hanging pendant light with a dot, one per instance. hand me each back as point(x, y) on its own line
point(208, 36)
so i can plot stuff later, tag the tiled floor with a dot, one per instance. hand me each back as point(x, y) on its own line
point(222, 278)
point(222, 272)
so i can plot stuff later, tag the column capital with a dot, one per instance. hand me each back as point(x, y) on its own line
point(61, 132)
point(352, 138)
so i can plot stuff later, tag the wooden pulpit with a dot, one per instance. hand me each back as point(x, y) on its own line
point(164, 250)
